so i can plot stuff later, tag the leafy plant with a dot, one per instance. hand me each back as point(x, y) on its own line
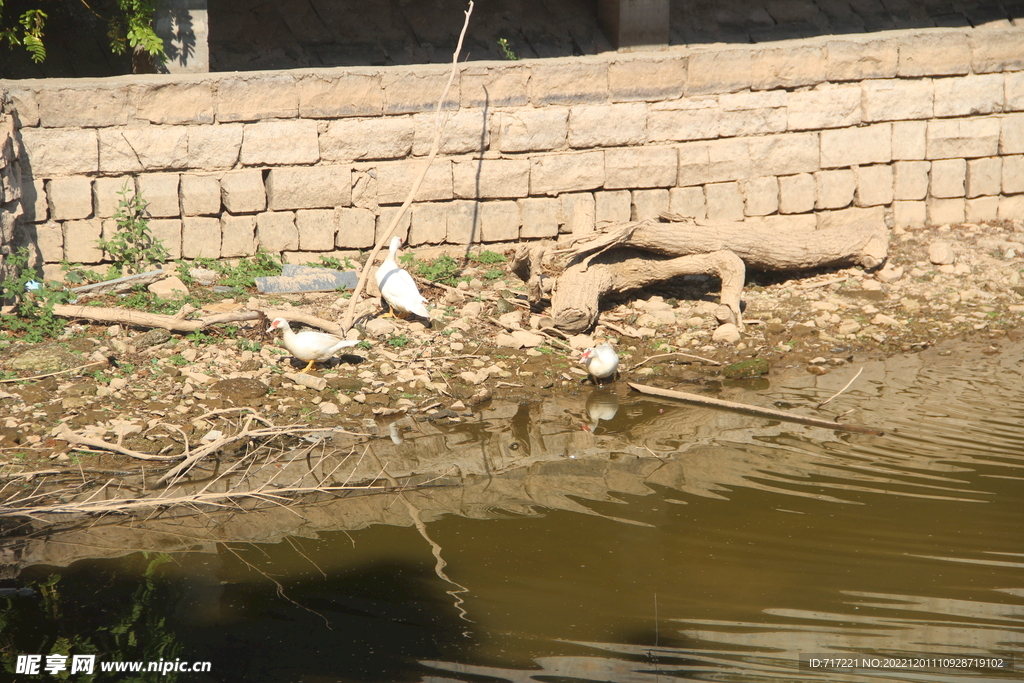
point(487, 257)
point(442, 269)
point(133, 247)
point(336, 263)
point(244, 273)
point(33, 301)
point(506, 50)
point(399, 341)
point(177, 359)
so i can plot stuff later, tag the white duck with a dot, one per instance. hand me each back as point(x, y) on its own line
point(601, 362)
point(601, 405)
point(398, 288)
point(310, 345)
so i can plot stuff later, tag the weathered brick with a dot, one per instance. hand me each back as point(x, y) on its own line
point(1013, 174)
point(856, 146)
point(638, 167)
point(968, 95)
point(942, 210)
point(429, 224)
point(647, 79)
point(80, 241)
point(909, 140)
point(694, 161)
point(386, 216)
point(254, 96)
point(502, 86)
point(540, 217)
point(610, 125)
point(943, 53)
point(355, 139)
point(556, 173)
point(499, 221)
point(1013, 89)
point(152, 148)
point(785, 154)
point(23, 101)
point(465, 131)
point(909, 214)
point(335, 94)
point(858, 59)
point(160, 191)
point(760, 196)
point(568, 81)
point(718, 71)
point(309, 187)
point(69, 198)
point(1011, 134)
point(910, 179)
point(1011, 208)
point(898, 99)
point(962, 138)
point(243, 191)
point(788, 67)
point(395, 179)
point(167, 231)
point(577, 213)
point(356, 228)
point(796, 193)
point(687, 201)
point(729, 159)
point(317, 229)
point(200, 237)
point(532, 130)
point(106, 197)
point(874, 185)
point(463, 222)
point(834, 189)
point(200, 195)
point(753, 113)
point(276, 231)
point(214, 147)
point(724, 201)
point(50, 242)
point(997, 50)
point(280, 143)
point(238, 236)
point(174, 102)
point(490, 178)
point(981, 209)
point(690, 119)
point(61, 152)
point(835, 107)
point(34, 204)
point(611, 206)
point(417, 89)
point(86, 104)
point(984, 176)
point(648, 204)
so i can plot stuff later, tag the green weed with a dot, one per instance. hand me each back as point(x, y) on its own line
point(399, 341)
point(133, 247)
point(33, 301)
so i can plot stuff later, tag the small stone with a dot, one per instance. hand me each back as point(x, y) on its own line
point(941, 253)
point(117, 383)
point(114, 331)
point(379, 327)
point(727, 333)
point(203, 276)
point(883, 319)
point(328, 408)
point(472, 309)
point(157, 335)
point(581, 341)
point(818, 369)
point(871, 285)
point(695, 322)
point(755, 367)
point(889, 273)
point(513, 319)
point(169, 287)
point(848, 327)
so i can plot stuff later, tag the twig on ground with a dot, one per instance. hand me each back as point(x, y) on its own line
point(709, 361)
point(51, 374)
point(841, 390)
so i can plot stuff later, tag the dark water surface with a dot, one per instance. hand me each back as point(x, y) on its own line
point(664, 542)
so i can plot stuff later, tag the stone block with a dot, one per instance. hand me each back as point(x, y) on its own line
point(834, 189)
point(909, 214)
point(200, 237)
point(719, 71)
point(856, 146)
point(997, 49)
point(607, 125)
point(214, 147)
point(276, 231)
point(689, 119)
point(941, 53)
point(728, 159)
point(106, 197)
point(200, 195)
point(785, 154)
point(23, 101)
point(463, 222)
point(981, 209)
point(357, 139)
point(833, 107)
point(796, 193)
point(254, 96)
point(540, 216)
point(568, 81)
point(760, 196)
point(466, 131)
point(788, 67)
point(384, 219)
point(69, 198)
point(638, 167)
point(1013, 174)
point(80, 241)
point(168, 232)
point(984, 176)
point(501, 86)
point(577, 213)
point(572, 172)
point(694, 161)
point(898, 99)
point(339, 93)
point(160, 191)
point(309, 187)
point(174, 102)
point(499, 221)
point(612, 207)
point(687, 201)
point(858, 59)
point(874, 185)
point(89, 105)
point(910, 180)
point(356, 228)
point(946, 210)
point(152, 148)
point(1013, 91)
point(238, 236)
point(968, 95)
point(962, 138)
point(429, 224)
point(317, 229)
point(724, 201)
point(280, 143)
point(34, 203)
point(395, 179)
point(909, 140)
point(1011, 208)
point(647, 79)
point(490, 178)
point(417, 89)
point(243, 191)
point(1011, 134)
point(49, 240)
point(61, 152)
point(532, 130)
point(753, 113)
point(648, 204)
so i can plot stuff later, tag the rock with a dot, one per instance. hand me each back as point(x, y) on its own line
point(504, 306)
point(512, 319)
point(80, 389)
point(472, 309)
point(46, 358)
point(883, 319)
point(755, 367)
point(328, 408)
point(345, 384)
point(169, 287)
point(240, 388)
point(818, 369)
point(695, 322)
point(114, 331)
point(155, 336)
point(802, 330)
point(198, 377)
point(889, 273)
point(308, 381)
point(941, 253)
point(117, 383)
point(727, 333)
point(871, 286)
point(581, 341)
point(520, 339)
point(848, 326)
point(203, 276)
point(379, 327)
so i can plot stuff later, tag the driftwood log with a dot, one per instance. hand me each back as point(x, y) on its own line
point(622, 257)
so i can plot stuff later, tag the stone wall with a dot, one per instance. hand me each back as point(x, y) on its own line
point(911, 127)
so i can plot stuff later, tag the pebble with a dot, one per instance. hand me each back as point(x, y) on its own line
point(941, 253)
point(727, 333)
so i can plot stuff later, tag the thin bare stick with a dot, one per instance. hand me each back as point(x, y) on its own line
point(841, 390)
point(78, 439)
point(51, 374)
point(709, 361)
point(346, 324)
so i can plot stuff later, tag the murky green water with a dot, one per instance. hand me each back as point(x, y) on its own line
point(662, 542)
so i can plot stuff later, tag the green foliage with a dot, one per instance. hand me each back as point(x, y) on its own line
point(399, 341)
point(443, 269)
point(33, 301)
point(487, 258)
point(243, 274)
point(133, 247)
point(177, 359)
point(336, 263)
point(249, 345)
point(506, 50)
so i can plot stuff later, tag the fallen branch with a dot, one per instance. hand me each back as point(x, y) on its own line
point(51, 374)
point(752, 410)
point(121, 284)
point(709, 361)
point(75, 438)
point(841, 390)
point(175, 323)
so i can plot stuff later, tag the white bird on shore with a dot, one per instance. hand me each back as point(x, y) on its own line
point(310, 345)
point(601, 362)
point(398, 288)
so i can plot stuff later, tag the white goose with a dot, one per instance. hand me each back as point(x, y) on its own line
point(398, 288)
point(601, 362)
point(310, 345)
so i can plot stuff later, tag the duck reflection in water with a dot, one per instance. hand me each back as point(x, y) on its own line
point(602, 404)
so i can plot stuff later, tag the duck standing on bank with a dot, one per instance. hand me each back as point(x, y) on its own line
point(310, 345)
point(602, 362)
point(398, 288)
